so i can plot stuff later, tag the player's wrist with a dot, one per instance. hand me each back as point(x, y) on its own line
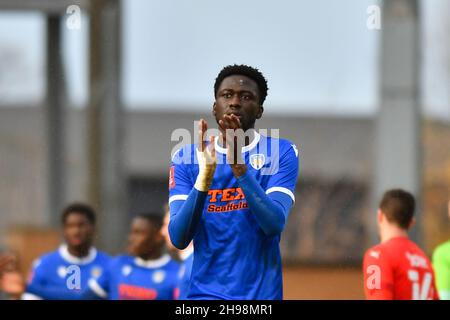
point(207, 166)
point(203, 182)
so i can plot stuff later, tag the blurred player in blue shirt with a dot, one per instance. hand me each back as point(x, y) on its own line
point(64, 273)
point(146, 273)
point(232, 196)
point(186, 256)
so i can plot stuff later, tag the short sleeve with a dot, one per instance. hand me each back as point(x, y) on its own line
point(378, 276)
point(284, 177)
point(101, 285)
point(37, 273)
point(37, 279)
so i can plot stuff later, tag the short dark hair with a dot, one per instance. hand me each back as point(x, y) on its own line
point(155, 219)
point(247, 71)
point(79, 208)
point(398, 206)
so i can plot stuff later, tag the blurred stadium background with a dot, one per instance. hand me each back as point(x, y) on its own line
point(87, 108)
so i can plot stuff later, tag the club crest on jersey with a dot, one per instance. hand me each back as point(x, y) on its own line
point(158, 276)
point(96, 272)
point(257, 161)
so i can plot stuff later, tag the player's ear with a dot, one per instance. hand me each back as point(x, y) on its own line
point(379, 216)
point(260, 112)
point(214, 110)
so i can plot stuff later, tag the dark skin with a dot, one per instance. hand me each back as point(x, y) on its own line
point(78, 233)
point(237, 106)
point(145, 240)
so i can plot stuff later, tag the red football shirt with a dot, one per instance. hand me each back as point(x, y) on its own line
point(398, 270)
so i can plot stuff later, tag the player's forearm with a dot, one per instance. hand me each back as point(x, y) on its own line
point(269, 213)
point(185, 217)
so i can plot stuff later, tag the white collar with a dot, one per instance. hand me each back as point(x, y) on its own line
point(244, 149)
point(151, 264)
point(186, 253)
point(66, 255)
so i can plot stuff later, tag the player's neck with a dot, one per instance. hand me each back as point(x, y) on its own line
point(79, 252)
point(151, 255)
point(250, 136)
point(391, 232)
